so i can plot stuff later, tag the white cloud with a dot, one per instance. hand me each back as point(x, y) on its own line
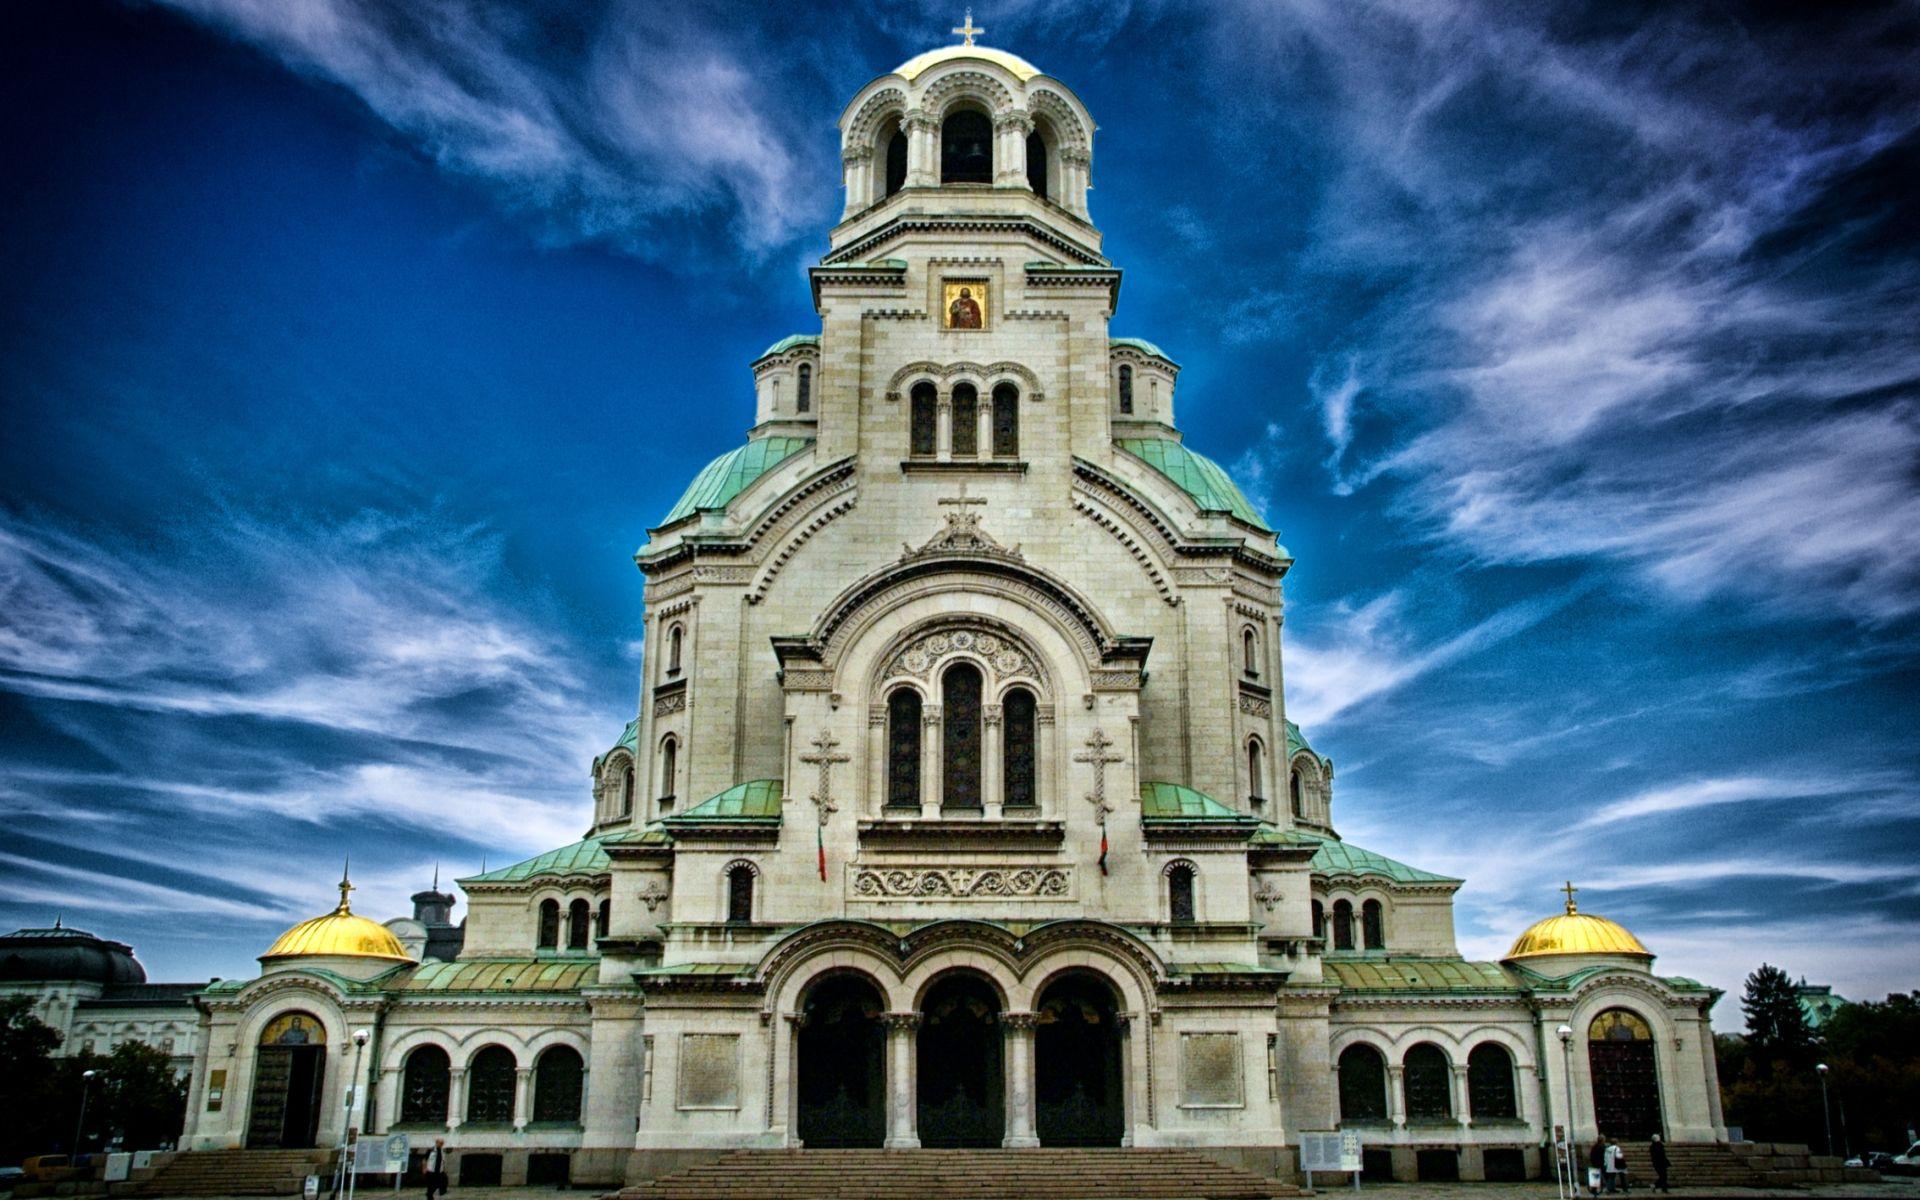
point(1738, 789)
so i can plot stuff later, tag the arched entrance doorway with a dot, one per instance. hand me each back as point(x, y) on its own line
point(1077, 1088)
point(1626, 1081)
point(289, 1067)
point(843, 1083)
point(962, 1101)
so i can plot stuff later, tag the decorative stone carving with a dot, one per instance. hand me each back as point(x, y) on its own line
point(652, 895)
point(921, 657)
point(672, 702)
point(1254, 706)
point(824, 756)
point(961, 883)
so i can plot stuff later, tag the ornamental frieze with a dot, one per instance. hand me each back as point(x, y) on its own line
point(923, 654)
point(960, 883)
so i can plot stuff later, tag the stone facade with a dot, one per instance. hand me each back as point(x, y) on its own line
point(963, 717)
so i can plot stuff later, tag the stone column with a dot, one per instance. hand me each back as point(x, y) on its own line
point(983, 437)
point(1010, 131)
point(1020, 1080)
point(879, 748)
point(1074, 170)
point(943, 441)
point(1046, 791)
point(1460, 1094)
point(856, 164)
point(1397, 1095)
point(522, 1095)
point(923, 149)
point(387, 1098)
point(456, 1098)
point(991, 772)
point(930, 746)
point(901, 1131)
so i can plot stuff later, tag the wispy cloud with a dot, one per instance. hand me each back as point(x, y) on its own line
point(1738, 789)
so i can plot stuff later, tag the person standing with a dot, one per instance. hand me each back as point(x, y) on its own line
point(1616, 1168)
point(1657, 1155)
point(436, 1166)
point(1597, 1166)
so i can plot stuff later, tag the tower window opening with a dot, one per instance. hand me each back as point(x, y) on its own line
point(966, 421)
point(577, 919)
point(1006, 421)
point(1017, 749)
point(1126, 390)
point(1299, 797)
point(966, 147)
point(925, 421)
point(1250, 652)
point(903, 749)
point(676, 638)
point(1256, 770)
point(548, 937)
point(1319, 919)
point(1037, 164)
point(1373, 926)
point(740, 894)
point(1180, 894)
point(803, 397)
point(1342, 925)
point(603, 920)
point(896, 161)
point(626, 792)
point(669, 768)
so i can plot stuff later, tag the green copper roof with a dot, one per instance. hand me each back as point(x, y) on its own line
point(789, 342)
point(734, 472)
point(1428, 976)
point(501, 975)
point(757, 800)
point(1297, 741)
point(1160, 801)
point(1142, 345)
point(584, 857)
point(1336, 857)
point(1196, 475)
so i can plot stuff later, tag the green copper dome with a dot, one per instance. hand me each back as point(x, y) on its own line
point(734, 472)
point(1196, 475)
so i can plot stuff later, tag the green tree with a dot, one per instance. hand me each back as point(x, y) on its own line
point(1776, 1025)
point(143, 1100)
point(26, 1078)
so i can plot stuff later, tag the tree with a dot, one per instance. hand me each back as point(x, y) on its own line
point(26, 1077)
point(143, 1100)
point(1776, 1025)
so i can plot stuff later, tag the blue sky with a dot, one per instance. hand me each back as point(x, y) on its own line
point(348, 349)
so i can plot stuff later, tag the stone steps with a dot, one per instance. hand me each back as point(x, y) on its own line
point(1041, 1174)
point(236, 1173)
point(1740, 1164)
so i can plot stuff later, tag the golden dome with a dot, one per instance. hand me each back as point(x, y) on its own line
point(1018, 67)
point(338, 934)
point(1575, 932)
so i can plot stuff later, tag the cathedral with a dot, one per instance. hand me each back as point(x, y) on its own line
point(961, 807)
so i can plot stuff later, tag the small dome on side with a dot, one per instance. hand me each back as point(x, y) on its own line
point(1574, 934)
point(337, 935)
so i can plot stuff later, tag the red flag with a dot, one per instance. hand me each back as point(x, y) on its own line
point(1103, 847)
point(820, 840)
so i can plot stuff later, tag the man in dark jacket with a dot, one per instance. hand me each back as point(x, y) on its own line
point(1657, 1155)
point(436, 1168)
point(1597, 1165)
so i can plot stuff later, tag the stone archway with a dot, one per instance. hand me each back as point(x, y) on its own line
point(962, 1099)
point(843, 1083)
point(1626, 1078)
point(289, 1075)
point(1078, 1084)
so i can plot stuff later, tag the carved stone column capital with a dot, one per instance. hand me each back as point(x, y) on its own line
point(1019, 1021)
point(900, 1021)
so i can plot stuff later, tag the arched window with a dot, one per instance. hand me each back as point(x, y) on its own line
point(960, 727)
point(903, 749)
point(803, 398)
point(669, 768)
point(1373, 926)
point(1037, 164)
point(1363, 1084)
point(603, 919)
point(1256, 771)
point(577, 919)
point(1428, 1080)
point(549, 937)
point(1319, 920)
point(1180, 894)
point(556, 1085)
point(966, 421)
point(490, 1078)
point(675, 638)
point(1342, 925)
point(966, 147)
point(1299, 799)
point(1006, 421)
point(740, 894)
point(1017, 742)
point(924, 436)
point(896, 161)
point(424, 1087)
point(626, 791)
point(1250, 652)
point(1490, 1083)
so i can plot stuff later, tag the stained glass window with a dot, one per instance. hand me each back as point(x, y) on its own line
point(1006, 421)
point(556, 1085)
point(577, 925)
point(1126, 389)
point(423, 1089)
point(1017, 749)
point(1363, 1084)
point(925, 431)
point(740, 894)
point(803, 400)
point(1490, 1083)
point(1180, 893)
point(966, 421)
point(1342, 925)
point(1429, 1083)
point(1373, 926)
point(960, 718)
point(490, 1086)
point(549, 924)
point(903, 749)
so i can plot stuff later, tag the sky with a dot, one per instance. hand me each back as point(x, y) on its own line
point(348, 349)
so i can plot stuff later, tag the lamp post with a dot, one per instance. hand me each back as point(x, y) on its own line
point(1826, 1110)
point(359, 1048)
point(86, 1077)
point(1566, 1075)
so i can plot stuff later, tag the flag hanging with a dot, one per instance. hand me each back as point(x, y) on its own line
point(820, 840)
point(1103, 847)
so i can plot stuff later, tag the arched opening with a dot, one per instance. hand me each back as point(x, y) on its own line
point(1256, 771)
point(490, 1087)
point(924, 434)
point(676, 638)
point(289, 1070)
point(1373, 926)
point(960, 735)
point(1319, 920)
point(1006, 421)
point(843, 1085)
point(604, 919)
point(1018, 740)
point(1428, 1080)
point(1078, 1096)
point(1363, 1084)
point(1180, 894)
point(577, 918)
point(1626, 1077)
point(803, 396)
point(1490, 1091)
point(966, 147)
point(424, 1086)
point(557, 1079)
point(669, 768)
point(1299, 796)
point(626, 791)
point(1037, 164)
point(1250, 652)
point(896, 161)
point(1126, 390)
point(966, 421)
point(903, 749)
point(961, 1093)
point(1342, 925)
point(739, 894)
point(548, 937)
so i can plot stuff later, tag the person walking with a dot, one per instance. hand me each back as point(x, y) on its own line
point(1616, 1168)
point(1597, 1166)
point(436, 1168)
point(1657, 1155)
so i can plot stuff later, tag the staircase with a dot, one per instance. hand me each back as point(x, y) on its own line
point(1044, 1174)
point(1697, 1165)
point(237, 1173)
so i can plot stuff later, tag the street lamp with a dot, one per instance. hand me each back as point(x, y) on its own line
point(86, 1077)
point(1825, 1109)
point(343, 1174)
point(1566, 1074)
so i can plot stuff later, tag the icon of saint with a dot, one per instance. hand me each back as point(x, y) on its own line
point(964, 312)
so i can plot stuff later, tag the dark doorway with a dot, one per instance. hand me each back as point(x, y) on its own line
point(962, 1092)
point(1626, 1082)
point(289, 1068)
point(1077, 1089)
point(843, 1080)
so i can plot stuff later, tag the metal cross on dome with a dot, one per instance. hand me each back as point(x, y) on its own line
point(968, 29)
point(824, 757)
point(1097, 754)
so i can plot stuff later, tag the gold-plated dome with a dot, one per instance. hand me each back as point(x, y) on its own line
point(338, 934)
point(1018, 67)
point(1575, 932)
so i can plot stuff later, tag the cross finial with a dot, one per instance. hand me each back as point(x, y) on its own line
point(346, 870)
point(968, 29)
point(1097, 754)
point(1570, 890)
